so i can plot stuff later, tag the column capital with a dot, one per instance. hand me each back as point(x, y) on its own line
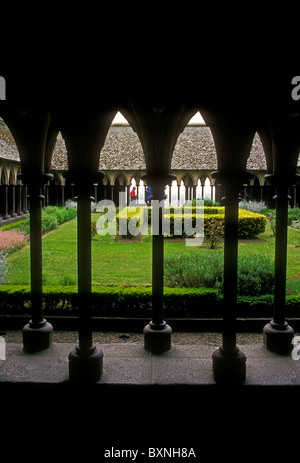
point(231, 177)
point(83, 177)
point(35, 180)
point(83, 181)
point(283, 180)
point(158, 181)
point(161, 178)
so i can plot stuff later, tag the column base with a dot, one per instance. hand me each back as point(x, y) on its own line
point(37, 336)
point(229, 368)
point(278, 338)
point(85, 366)
point(157, 338)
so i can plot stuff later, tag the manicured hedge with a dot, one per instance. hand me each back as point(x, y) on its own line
point(120, 301)
point(250, 224)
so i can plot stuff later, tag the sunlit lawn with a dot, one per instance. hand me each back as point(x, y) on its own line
point(127, 262)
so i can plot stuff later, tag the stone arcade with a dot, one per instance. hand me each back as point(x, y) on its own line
point(158, 119)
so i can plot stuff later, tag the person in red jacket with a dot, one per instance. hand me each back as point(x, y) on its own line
point(133, 195)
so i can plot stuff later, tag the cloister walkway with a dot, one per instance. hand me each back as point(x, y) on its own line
point(129, 364)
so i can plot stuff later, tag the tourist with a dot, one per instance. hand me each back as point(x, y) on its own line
point(148, 195)
point(133, 195)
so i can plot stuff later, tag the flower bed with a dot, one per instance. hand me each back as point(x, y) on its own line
point(250, 224)
point(11, 240)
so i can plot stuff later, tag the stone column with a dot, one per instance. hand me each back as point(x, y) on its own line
point(62, 190)
point(37, 334)
point(25, 199)
point(157, 334)
point(13, 212)
point(278, 334)
point(229, 363)
point(6, 215)
point(19, 195)
point(85, 361)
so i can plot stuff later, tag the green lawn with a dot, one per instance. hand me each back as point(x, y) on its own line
point(124, 263)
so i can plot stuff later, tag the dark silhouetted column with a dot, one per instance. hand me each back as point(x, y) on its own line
point(229, 363)
point(85, 361)
point(278, 334)
point(37, 334)
point(157, 334)
point(6, 215)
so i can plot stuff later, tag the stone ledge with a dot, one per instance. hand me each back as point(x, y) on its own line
point(129, 364)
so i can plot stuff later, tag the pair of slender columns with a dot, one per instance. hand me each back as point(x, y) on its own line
point(85, 361)
point(229, 363)
point(157, 334)
point(278, 335)
point(37, 334)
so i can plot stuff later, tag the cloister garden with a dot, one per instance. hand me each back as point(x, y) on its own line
point(124, 262)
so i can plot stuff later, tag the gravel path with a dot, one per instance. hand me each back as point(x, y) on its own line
point(210, 339)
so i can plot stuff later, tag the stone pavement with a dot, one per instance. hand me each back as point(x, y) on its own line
point(129, 364)
point(144, 400)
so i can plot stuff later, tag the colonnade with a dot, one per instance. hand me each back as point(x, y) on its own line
point(158, 127)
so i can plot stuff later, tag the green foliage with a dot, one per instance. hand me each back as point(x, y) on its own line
point(293, 285)
point(293, 215)
point(52, 216)
point(108, 301)
point(13, 225)
point(250, 224)
point(3, 267)
point(214, 231)
point(93, 229)
point(255, 272)
point(194, 270)
point(272, 219)
point(207, 202)
point(255, 275)
point(253, 206)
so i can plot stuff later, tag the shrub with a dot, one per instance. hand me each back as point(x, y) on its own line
point(49, 221)
point(121, 301)
point(255, 275)
point(272, 219)
point(253, 206)
point(293, 215)
point(293, 285)
point(70, 204)
point(296, 224)
point(255, 272)
point(133, 217)
point(250, 224)
point(194, 270)
point(11, 239)
point(3, 267)
point(214, 231)
point(52, 216)
point(207, 202)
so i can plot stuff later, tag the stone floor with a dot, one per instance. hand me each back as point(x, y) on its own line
point(127, 363)
point(146, 401)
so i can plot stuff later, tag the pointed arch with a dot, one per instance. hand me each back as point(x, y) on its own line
point(5, 175)
point(122, 149)
point(195, 147)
